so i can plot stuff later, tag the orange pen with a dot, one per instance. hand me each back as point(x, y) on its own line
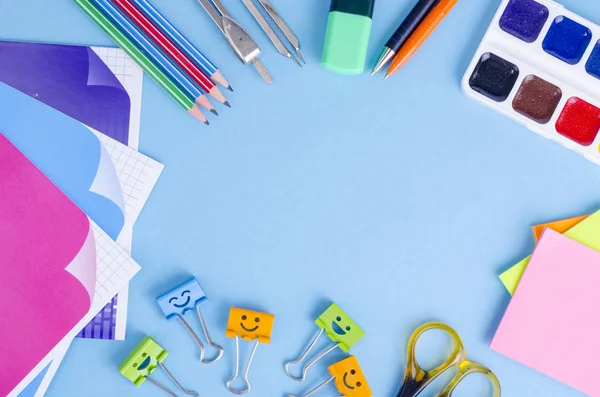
point(416, 40)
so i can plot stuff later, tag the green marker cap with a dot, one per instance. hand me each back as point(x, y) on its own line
point(357, 7)
point(347, 36)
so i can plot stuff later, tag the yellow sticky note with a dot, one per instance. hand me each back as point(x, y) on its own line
point(561, 226)
point(587, 233)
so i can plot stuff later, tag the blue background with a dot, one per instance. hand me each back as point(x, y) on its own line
point(400, 200)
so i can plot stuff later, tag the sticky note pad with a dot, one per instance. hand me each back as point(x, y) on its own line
point(552, 323)
point(561, 226)
point(585, 232)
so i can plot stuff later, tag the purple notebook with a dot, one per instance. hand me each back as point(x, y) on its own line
point(72, 80)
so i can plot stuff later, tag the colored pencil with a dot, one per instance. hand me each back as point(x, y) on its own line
point(191, 51)
point(420, 35)
point(113, 13)
point(174, 91)
point(172, 51)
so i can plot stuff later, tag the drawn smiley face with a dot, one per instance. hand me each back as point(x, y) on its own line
point(181, 299)
point(350, 379)
point(142, 361)
point(340, 327)
point(184, 295)
point(247, 329)
point(250, 325)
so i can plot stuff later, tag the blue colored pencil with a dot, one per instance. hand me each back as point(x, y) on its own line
point(193, 53)
point(191, 89)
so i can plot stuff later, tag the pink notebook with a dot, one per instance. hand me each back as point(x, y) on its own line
point(48, 270)
point(553, 321)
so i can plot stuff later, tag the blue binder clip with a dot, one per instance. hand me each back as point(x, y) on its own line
point(185, 298)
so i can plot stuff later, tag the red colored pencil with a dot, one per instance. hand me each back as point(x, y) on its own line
point(152, 31)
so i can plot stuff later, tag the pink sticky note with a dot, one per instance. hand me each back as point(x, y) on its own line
point(553, 321)
point(47, 266)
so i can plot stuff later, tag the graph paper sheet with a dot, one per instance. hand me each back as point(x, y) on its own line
point(115, 268)
point(131, 76)
point(137, 175)
point(111, 322)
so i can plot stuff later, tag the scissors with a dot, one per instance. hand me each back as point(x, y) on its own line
point(417, 379)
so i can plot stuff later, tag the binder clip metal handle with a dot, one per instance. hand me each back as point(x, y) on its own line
point(303, 356)
point(165, 389)
point(316, 389)
point(211, 343)
point(236, 369)
point(198, 341)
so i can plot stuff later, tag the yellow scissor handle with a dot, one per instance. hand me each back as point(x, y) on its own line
point(467, 368)
point(416, 379)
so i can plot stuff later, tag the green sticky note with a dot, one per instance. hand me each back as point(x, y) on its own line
point(142, 361)
point(340, 328)
point(587, 233)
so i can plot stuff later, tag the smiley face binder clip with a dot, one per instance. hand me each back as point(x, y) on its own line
point(143, 360)
point(349, 379)
point(185, 298)
point(340, 328)
point(250, 326)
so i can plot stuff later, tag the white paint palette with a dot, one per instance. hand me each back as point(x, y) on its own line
point(539, 64)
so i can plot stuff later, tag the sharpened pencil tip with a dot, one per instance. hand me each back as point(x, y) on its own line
point(206, 122)
point(213, 111)
point(387, 75)
point(230, 88)
point(226, 103)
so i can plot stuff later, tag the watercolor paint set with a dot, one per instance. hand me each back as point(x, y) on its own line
point(539, 64)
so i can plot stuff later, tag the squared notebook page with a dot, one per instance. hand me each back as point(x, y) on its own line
point(137, 175)
point(115, 268)
point(552, 323)
point(131, 76)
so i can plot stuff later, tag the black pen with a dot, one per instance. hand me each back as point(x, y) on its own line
point(408, 26)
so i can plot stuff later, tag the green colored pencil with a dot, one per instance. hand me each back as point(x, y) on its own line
point(145, 63)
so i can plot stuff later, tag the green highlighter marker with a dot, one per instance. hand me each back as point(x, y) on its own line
point(347, 37)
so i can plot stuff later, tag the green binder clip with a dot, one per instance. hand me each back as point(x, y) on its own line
point(143, 360)
point(339, 327)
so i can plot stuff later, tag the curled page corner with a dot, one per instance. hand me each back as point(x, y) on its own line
point(83, 267)
point(106, 182)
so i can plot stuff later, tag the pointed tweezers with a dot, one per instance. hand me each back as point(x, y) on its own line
point(238, 39)
point(283, 27)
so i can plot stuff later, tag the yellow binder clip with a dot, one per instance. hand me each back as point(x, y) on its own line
point(348, 378)
point(250, 326)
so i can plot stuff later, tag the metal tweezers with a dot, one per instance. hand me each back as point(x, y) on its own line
point(238, 39)
point(280, 23)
